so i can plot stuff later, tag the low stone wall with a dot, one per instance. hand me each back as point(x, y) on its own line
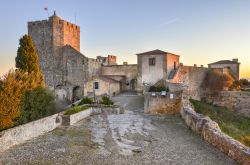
point(155, 103)
point(20, 134)
point(236, 100)
point(211, 132)
point(74, 118)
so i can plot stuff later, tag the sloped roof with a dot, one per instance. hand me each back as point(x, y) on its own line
point(225, 62)
point(156, 52)
point(77, 53)
point(153, 52)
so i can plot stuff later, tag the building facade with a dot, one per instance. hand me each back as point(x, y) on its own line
point(233, 65)
point(154, 66)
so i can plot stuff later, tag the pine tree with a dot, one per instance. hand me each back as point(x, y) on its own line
point(26, 59)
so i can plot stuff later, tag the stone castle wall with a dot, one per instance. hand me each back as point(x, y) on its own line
point(189, 78)
point(236, 100)
point(94, 67)
point(49, 37)
point(130, 71)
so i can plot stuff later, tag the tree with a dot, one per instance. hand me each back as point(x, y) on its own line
point(26, 59)
point(36, 104)
point(14, 84)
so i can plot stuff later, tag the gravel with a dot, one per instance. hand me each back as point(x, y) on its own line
point(129, 138)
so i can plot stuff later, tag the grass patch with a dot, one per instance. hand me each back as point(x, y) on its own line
point(76, 109)
point(231, 123)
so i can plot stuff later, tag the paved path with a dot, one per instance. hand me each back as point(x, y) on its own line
point(130, 138)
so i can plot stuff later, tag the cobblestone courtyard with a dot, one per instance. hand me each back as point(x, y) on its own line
point(130, 138)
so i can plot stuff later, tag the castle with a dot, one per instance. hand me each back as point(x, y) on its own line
point(72, 75)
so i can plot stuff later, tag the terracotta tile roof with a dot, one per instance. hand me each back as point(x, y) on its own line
point(225, 62)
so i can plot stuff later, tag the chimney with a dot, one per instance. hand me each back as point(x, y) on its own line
point(235, 60)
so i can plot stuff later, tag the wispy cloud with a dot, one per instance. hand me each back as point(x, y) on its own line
point(170, 21)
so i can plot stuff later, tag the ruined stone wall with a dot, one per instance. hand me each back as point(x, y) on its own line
point(190, 78)
point(236, 100)
point(130, 71)
point(155, 104)
point(211, 132)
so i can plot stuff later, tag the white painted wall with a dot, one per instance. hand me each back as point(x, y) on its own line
point(152, 74)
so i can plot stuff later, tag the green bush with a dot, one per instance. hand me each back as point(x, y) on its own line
point(76, 109)
point(86, 100)
point(36, 104)
point(106, 101)
point(158, 88)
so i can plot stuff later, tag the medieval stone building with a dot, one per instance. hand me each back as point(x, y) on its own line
point(71, 75)
point(64, 68)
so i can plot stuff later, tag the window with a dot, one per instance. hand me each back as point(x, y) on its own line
point(96, 85)
point(151, 61)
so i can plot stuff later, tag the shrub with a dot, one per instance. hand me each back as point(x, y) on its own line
point(86, 100)
point(245, 82)
point(217, 80)
point(36, 104)
point(246, 140)
point(76, 109)
point(158, 88)
point(236, 85)
point(106, 101)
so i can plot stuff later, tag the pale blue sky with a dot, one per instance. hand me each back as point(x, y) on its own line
point(201, 31)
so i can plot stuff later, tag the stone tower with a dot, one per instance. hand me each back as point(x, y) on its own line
point(49, 37)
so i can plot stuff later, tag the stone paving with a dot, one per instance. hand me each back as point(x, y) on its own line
point(129, 138)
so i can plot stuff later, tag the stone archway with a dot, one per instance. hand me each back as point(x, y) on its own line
point(77, 93)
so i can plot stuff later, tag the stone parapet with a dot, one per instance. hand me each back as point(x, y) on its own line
point(22, 133)
point(211, 132)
